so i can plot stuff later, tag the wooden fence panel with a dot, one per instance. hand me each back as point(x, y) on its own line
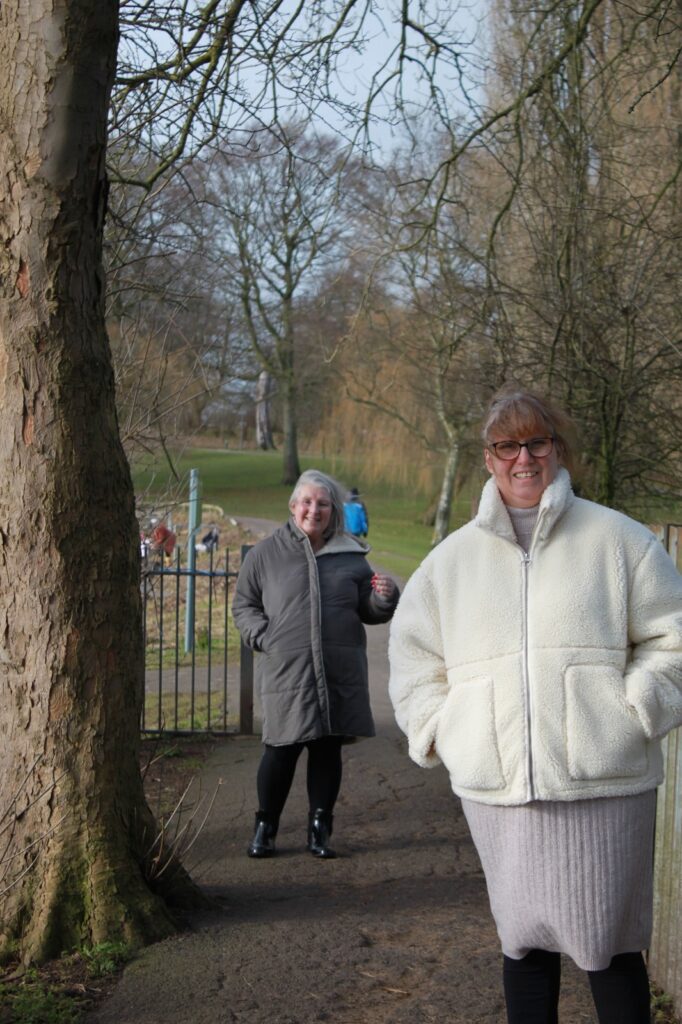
point(665, 954)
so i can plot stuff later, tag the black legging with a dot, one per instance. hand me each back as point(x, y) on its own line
point(323, 778)
point(620, 992)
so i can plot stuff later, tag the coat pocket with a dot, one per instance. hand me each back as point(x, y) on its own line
point(466, 738)
point(604, 736)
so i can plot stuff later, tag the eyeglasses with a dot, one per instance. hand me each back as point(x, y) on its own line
point(538, 447)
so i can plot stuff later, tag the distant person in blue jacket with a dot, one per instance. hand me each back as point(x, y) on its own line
point(356, 520)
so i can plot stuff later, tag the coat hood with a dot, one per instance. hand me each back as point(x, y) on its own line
point(344, 542)
point(340, 542)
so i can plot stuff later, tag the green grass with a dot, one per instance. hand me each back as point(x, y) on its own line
point(174, 641)
point(61, 991)
point(184, 714)
point(104, 958)
point(247, 483)
point(32, 1002)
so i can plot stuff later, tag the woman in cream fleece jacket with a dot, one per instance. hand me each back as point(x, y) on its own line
point(537, 652)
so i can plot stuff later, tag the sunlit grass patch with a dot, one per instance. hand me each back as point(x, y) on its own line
point(191, 712)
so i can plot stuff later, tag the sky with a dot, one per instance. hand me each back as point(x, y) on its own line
point(455, 72)
point(441, 82)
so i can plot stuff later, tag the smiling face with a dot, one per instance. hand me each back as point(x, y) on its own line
point(521, 481)
point(312, 511)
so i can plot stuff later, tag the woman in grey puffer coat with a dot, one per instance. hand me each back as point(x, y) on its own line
point(302, 597)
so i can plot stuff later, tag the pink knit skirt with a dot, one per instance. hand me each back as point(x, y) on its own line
point(575, 877)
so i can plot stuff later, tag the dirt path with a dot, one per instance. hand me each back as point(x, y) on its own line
point(397, 930)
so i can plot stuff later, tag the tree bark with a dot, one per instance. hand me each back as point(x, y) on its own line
point(263, 429)
point(442, 521)
point(291, 467)
point(74, 821)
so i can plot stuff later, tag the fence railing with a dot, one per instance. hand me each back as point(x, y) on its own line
point(198, 674)
point(665, 954)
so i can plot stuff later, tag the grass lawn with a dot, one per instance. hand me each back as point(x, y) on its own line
point(186, 713)
point(247, 483)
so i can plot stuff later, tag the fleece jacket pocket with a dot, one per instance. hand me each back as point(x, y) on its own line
point(466, 738)
point(604, 736)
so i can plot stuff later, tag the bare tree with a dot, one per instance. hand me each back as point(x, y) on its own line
point(190, 74)
point(576, 204)
point(420, 347)
point(278, 227)
point(413, 364)
point(171, 323)
point(224, 74)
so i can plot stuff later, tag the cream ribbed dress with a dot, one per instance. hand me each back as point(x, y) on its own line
point(570, 876)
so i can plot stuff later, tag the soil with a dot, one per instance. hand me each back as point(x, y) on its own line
point(169, 765)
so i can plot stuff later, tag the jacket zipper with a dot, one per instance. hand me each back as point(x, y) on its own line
point(327, 714)
point(525, 561)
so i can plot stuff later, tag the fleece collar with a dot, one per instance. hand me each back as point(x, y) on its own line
point(556, 499)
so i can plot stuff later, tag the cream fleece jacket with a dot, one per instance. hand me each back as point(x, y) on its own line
point(550, 676)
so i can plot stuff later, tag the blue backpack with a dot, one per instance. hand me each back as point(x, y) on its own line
point(355, 519)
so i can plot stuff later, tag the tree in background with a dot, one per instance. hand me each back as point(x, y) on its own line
point(171, 323)
point(280, 223)
point(418, 353)
point(197, 79)
point(264, 437)
point(586, 252)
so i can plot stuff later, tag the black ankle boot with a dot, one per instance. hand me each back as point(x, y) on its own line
point(320, 824)
point(263, 842)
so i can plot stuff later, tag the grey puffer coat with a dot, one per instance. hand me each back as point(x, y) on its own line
point(304, 613)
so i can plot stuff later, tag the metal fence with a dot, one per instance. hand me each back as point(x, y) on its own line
point(198, 674)
point(665, 954)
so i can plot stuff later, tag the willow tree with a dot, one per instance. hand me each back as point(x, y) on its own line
point(75, 830)
point(586, 250)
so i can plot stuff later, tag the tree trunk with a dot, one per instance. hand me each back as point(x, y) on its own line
point(75, 826)
point(442, 521)
point(263, 429)
point(291, 469)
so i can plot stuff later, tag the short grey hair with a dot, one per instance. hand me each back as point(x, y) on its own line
point(317, 478)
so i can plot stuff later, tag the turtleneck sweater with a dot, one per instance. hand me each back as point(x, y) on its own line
point(524, 520)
